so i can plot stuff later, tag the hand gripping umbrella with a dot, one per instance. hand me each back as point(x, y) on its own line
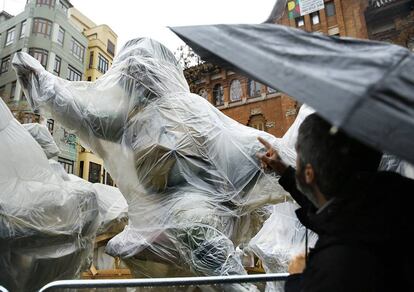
point(364, 87)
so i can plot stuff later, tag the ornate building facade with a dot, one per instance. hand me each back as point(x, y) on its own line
point(256, 105)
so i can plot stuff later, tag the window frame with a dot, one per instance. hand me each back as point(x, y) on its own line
point(59, 61)
point(231, 91)
point(61, 29)
point(111, 50)
point(75, 72)
point(218, 88)
point(257, 89)
point(75, 48)
point(10, 32)
point(329, 12)
point(23, 27)
point(98, 174)
point(67, 164)
point(103, 64)
point(49, 3)
point(312, 17)
point(50, 123)
point(5, 62)
point(43, 52)
point(40, 24)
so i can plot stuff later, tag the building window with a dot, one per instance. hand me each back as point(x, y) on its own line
point(10, 34)
point(91, 60)
point(77, 50)
point(2, 90)
point(5, 64)
point(111, 48)
point(42, 26)
point(50, 3)
point(67, 164)
point(50, 125)
point(61, 36)
point(89, 78)
point(56, 68)
point(330, 9)
point(315, 18)
point(255, 88)
point(218, 94)
point(103, 64)
point(23, 29)
point(203, 93)
point(258, 122)
point(300, 21)
point(94, 175)
point(109, 180)
point(235, 90)
point(40, 55)
point(271, 90)
point(74, 75)
point(63, 7)
point(13, 90)
point(81, 167)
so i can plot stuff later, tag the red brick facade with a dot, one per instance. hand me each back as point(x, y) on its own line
point(275, 112)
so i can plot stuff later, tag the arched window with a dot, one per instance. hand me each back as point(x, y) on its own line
point(255, 88)
point(218, 94)
point(203, 93)
point(258, 122)
point(235, 90)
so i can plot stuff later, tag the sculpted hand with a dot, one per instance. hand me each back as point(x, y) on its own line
point(271, 159)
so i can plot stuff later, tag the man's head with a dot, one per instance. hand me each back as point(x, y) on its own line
point(327, 161)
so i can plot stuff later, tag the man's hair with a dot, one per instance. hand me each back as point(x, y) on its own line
point(335, 158)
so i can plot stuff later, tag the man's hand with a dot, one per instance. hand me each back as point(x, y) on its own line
point(271, 159)
point(297, 264)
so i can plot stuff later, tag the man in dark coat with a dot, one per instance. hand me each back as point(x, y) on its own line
point(361, 215)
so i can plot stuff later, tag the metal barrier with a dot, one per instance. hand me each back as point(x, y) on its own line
point(159, 282)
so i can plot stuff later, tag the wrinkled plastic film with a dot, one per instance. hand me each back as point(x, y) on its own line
point(281, 238)
point(43, 137)
point(188, 172)
point(47, 225)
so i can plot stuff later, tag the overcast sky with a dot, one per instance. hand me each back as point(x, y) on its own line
point(135, 18)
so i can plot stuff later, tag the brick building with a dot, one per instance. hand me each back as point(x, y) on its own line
point(256, 105)
point(391, 21)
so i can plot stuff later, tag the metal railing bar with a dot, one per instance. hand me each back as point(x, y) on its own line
point(158, 282)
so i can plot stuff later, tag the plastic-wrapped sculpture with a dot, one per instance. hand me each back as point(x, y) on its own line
point(47, 225)
point(188, 172)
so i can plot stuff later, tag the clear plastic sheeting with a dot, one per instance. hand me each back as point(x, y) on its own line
point(281, 238)
point(42, 136)
point(189, 173)
point(113, 208)
point(59, 170)
point(47, 225)
point(392, 163)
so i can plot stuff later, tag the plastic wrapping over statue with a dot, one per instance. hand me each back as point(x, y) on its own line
point(188, 172)
point(47, 225)
point(42, 136)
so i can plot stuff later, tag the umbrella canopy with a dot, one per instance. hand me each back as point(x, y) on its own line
point(364, 87)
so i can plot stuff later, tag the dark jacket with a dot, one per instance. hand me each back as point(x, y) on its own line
point(364, 239)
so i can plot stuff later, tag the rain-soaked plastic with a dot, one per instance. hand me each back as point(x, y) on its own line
point(392, 163)
point(47, 225)
point(281, 238)
point(188, 172)
point(42, 136)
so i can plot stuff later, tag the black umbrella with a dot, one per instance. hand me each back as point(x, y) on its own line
point(364, 87)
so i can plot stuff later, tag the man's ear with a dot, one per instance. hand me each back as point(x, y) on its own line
point(309, 174)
